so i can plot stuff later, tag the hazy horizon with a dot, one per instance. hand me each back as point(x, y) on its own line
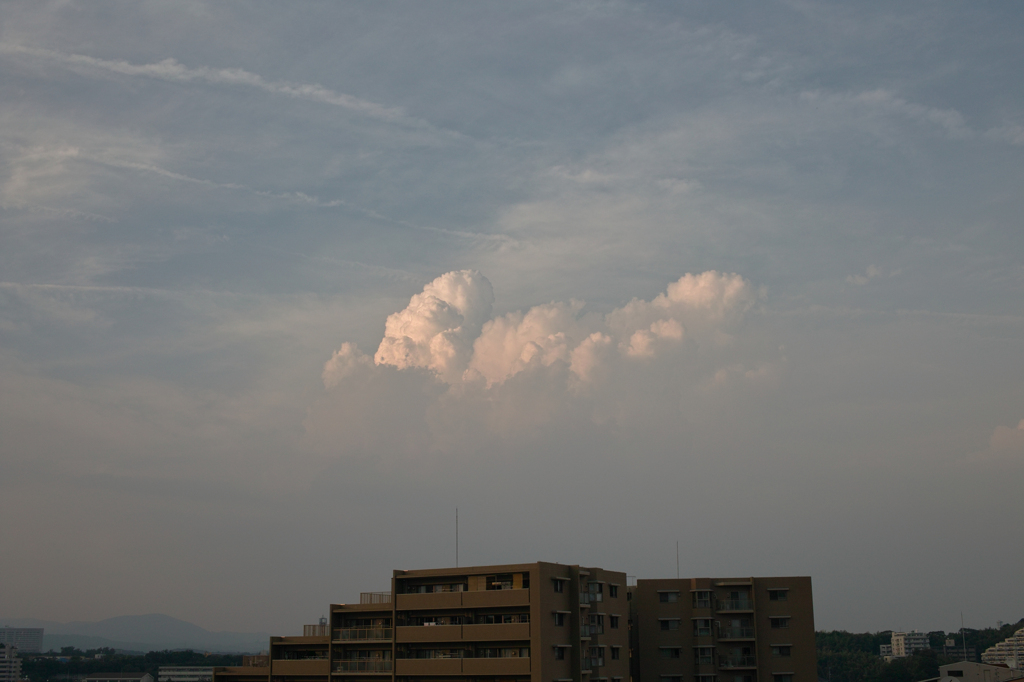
point(281, 286)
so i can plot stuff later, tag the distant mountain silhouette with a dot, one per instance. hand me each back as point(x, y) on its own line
point(150, 632)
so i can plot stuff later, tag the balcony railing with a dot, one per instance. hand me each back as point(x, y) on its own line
point(705, 660)
point(346, 634)
point(702, 603)
point(374, 597)
point(595, 663)
point(584, 597)
point(736, 633)
point(727, 662)
point(367, 666)
point(596, 629)
point(584, 631)
point(702, 632)
point(735, 605)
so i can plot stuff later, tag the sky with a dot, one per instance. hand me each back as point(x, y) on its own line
point(283, 285)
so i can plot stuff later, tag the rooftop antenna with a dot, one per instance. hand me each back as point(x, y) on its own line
point(456, 537)
point(677, 559)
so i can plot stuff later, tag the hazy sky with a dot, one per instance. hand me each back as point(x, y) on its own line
point(284, 284)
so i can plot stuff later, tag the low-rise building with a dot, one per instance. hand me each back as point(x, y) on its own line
point(967, 671)
point(185, 673)
point(119, 677)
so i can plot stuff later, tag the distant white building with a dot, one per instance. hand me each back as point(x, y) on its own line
point(27, 640)
point(10, 664)
point(906, 643)
point(185, 673)
point(1008, 652)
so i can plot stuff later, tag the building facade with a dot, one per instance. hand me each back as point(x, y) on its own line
point(723, 630)
point(547, 622)
point(1008, 652)
point(10, 664)
point(27, 640)
point(906, 643)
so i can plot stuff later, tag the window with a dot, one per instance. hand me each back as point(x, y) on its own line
point(705, 655)
point(677, 678)
point(615, 653)
point(782, 650)
point(669, 652)
point(613, 622)
point(668, 597)
point(559, 653)
point(778, 595)
point(559, 585)
point(702, 627)
point(613, 591)
point(702, 599)
point(526, 580)
point(782, 677)
point(559, 619)
point(705, 678)
point(780, 622)
point(670, 624)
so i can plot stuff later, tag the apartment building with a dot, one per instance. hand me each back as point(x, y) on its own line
point(1008, 652)
point(723, 630)
point(290, 659)
point(906, 643)
point(27, 640)
point(10, 664)
point(510, 623)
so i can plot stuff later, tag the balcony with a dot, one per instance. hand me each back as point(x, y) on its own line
point(737, 662)
point(362, 634)
point(429, 600)
point(428, 633)
point(374, 597)
point(494, 598)
point(480, 632)
point(735, 605)
point(496, 666)
point(313, 666)
point(736, 633)
point(363, 666)
point(428, 666)
point(496, 632)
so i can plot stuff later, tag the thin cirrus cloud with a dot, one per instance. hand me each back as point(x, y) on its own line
point(172, 70)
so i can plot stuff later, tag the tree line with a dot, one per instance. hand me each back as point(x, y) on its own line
point(46, 667)
point(854, 657)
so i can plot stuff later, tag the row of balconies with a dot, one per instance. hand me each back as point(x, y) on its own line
point(438, 666)
point(362, 634)
point(468, 600)
point(481, 632)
